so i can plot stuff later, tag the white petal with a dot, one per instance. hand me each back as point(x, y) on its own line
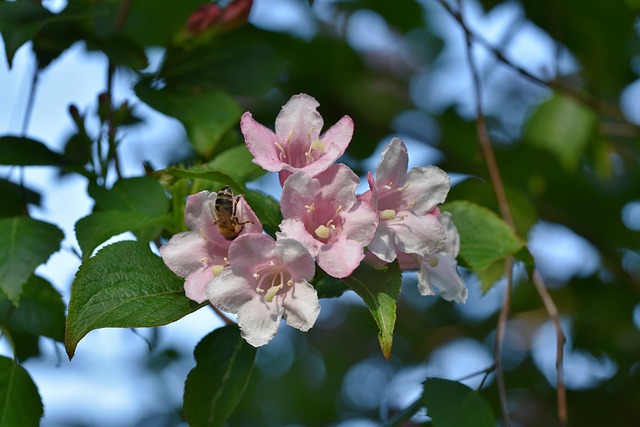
point(229, 292)
point(259, 321)
point(382, 244)
point(301, 306)
point(444, 277)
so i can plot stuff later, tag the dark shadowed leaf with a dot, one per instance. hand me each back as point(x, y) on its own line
point(452, 404)
point(266, 208)
point(14, 198)
point(25, 243)
point(19, 22)
point(41, 311)
point(379, 289)
point(213, 388)
point(20, 403)
point(21, 151)
point(124, 286)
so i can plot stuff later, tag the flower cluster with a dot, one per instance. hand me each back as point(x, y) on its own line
point(228, 260)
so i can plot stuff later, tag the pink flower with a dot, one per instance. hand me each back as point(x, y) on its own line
point(324, 215)
point(407, 205)
point(439, 270)
point(297, 143)
point(200, 254)
point(267, 281)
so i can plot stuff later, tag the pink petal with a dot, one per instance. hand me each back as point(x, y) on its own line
point(341, 258)
point(299, 117)
point(293, 228)
point(244, 213)
point(335, 140)
point(194, 285)
point(197, 212)
point(229, 292)
point(301, 306)
point(393, 164)
point(249, 251)
point(383, 245)
point(428, 187)
point(360, 223)
point(295, 258)
point(299, 190)
point(259, 321)
point(420, 235)
point(261, 141)
point(338, 185)
point(184, 252)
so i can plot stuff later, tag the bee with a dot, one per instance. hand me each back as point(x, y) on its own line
point(224, 214)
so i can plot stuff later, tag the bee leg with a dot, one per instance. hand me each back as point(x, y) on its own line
point(235, 207)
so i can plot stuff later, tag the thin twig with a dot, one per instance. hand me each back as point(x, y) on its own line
point(604, 108)
point(560, 341)
point(496, 181)
point(28, 113)
point(220, 314)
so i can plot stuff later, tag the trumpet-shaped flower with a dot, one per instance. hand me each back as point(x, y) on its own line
point(297, 143)
point(324, 215)
point(439, 270)
point(407, 203)
point(267, 281)
point(198, 255)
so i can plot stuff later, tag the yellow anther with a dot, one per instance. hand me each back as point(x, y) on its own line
point(271, 293)
point(433, 261)
point(217, 269)
point(388, 214)
point(317, 145)
point(323, 231)
point(310, 208)
point(256, 276)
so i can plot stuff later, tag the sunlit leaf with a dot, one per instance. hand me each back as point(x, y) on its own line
point(564, 127)
point(452, 404)
point(25, 243)
point(213, 388)
point(237, 163)
point(379, 289)
point(124, 286)
point(96, 228)
point(205, 114)
point(20, 403)
point(484, 238)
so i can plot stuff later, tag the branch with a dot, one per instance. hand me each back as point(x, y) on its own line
point(496, 181)
point(602, 107)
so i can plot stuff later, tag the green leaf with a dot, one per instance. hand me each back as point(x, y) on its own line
point(21, 151)
point(140, 194)
point(484, 238)
point(14, 198)
point(564, 127)
point(20, 403)
point(203, 173)
point(237, 163)
point(327, 286)
point(41, 311)
point(451, 404)
point(124, 286)
point(379, 289)
point(96, 228)
point(20, 22)
point(25, 243)
point(213, 388)
point(266, 208)
point(490, 275)
point(205, 114)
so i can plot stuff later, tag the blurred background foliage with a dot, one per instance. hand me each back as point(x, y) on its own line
point(567, 146)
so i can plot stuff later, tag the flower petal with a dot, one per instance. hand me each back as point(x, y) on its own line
point(428, 187)
point(340, 258)
point(296, 258)
point(301, 306)
point(338, 185)
point(298, 193)
point(444, 277)
point(298, 120)
point(261, 141)
point(197, 213)
point(335, 140)
point(229, 292)
point(452, 243)
point(259, 321)
point(184, 252)
point(360, 223)
point(393, 164)
point(418, 234)
point(383, 245)
point(196, 282)
point(293, 228)
point(250, 250)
